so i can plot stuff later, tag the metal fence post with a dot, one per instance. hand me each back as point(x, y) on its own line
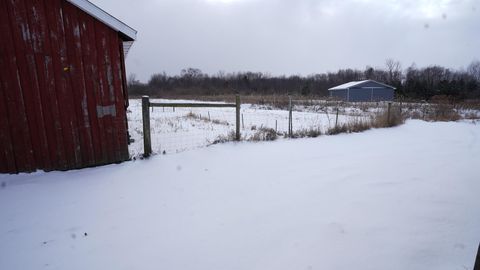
point(147, 143)
point(237, 111)
point(290, 121)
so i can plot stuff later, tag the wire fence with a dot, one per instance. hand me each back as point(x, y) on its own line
point(177, 129)
point(188, 128)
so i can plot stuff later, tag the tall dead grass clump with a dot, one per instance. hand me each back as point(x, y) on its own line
point(230, 137)
point(309, 133)
point(357, 125)
point(442, 112)
point(384, 119)
point(264, 134)
point(380, 120)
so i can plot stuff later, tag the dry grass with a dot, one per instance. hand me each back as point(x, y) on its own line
point(341, 128)
point(472, 116)
point(264, 134)
point(231, 136)
point(195, 116)
point(351, 127)
point(310, 133)
point(380, 120)
point(434, 112)
point(443, 112)
point(383, 119)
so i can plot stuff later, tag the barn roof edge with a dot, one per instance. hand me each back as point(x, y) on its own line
point(129, 33)
point(356, 83)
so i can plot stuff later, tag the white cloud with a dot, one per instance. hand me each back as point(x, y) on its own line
point(296, 37)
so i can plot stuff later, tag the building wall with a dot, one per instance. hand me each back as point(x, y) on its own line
point(363, 94)
point(338, 94)
point(383, 94)
point(62, 90)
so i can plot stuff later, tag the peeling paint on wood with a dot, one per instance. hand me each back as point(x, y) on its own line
point(103, 111)
point(59, 119)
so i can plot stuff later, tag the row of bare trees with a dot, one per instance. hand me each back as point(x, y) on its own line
point(412, 82)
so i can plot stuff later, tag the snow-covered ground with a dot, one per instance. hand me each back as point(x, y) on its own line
point(398, 198)
point(174, 131)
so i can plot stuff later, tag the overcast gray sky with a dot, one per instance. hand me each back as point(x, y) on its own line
point(296, 36)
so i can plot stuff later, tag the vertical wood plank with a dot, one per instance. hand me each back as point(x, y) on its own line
point(125, 93)
point(89, 56)
point(23, 52)
point(34, 53)
point(120, 117)
point(46, 90)
point(97, 86)
point(109, 63)
point(53, 124)
point(102, 64)
point(63, 88)
point(7, 155)
point(48, 86)
point(124, 73)
point(15, 85)
point(73, 44)
point(69, 91)
point(28, 46)
point(7, 160)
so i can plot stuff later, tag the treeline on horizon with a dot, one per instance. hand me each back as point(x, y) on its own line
point(411, 83)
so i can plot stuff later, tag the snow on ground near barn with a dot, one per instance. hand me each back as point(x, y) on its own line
point(183, 129)
point(398, 198)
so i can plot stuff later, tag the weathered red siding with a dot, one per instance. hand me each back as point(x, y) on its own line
point(62, 92)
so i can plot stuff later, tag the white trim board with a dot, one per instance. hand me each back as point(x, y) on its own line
point(105, 17)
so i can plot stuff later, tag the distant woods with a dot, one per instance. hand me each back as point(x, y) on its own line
point(411, 83)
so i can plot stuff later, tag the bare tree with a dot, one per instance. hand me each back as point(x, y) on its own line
point(474, 70)
point(132, 79)
point(394, 69)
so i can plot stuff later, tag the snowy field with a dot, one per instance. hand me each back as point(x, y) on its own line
point(174, 131)
point(398, 198)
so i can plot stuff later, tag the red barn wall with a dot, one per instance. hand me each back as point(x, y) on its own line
point(62, 90)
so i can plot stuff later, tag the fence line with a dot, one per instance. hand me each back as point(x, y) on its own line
point(194, 124)
point(146, 105)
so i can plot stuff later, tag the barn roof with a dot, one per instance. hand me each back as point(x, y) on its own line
point(359, 84)
point(128, 34)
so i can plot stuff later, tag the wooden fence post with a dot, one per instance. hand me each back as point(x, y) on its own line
point(336, 119)
point(237, 111)
point(388, 113)
point(147, 143)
